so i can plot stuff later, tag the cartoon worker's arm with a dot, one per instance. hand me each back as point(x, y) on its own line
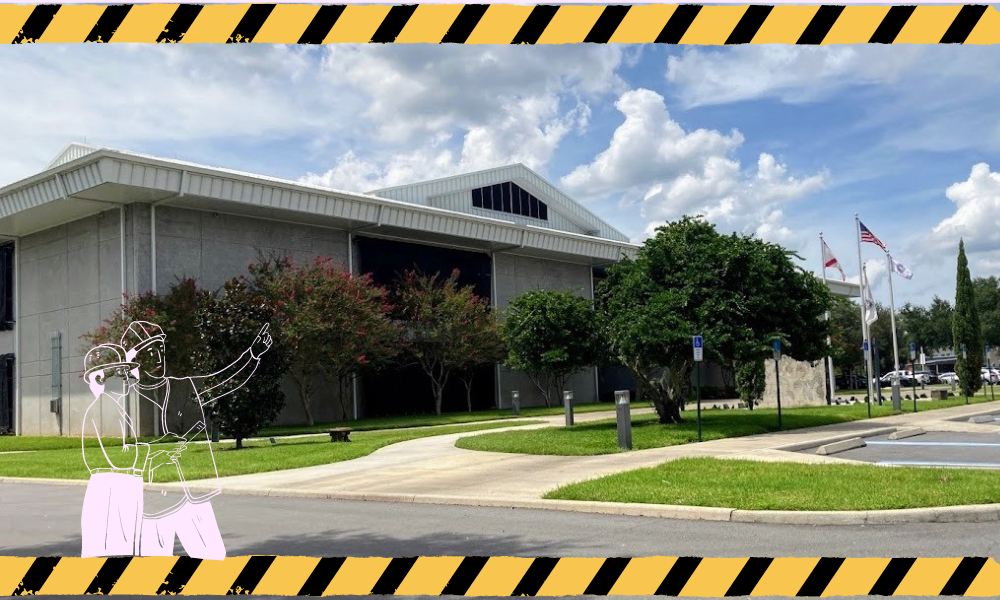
point(210, 388)
point(113, 450)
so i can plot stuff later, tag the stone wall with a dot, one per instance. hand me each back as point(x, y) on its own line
point(802, 384)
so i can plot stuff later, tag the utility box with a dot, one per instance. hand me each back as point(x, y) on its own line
point(55, 401)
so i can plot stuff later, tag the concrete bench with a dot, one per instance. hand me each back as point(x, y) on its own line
point(939, 394)
point(340, 434)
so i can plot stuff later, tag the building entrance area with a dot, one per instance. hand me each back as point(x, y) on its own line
point(406, 390)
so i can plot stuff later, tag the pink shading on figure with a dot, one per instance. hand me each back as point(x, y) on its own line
point(185, 514)
point(112, 507)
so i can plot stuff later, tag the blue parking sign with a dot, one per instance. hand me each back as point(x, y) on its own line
point(697, 341)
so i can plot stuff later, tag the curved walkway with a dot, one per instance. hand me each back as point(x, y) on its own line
point(433, 470)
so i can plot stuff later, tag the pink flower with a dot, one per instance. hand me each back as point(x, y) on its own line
point(362, 359)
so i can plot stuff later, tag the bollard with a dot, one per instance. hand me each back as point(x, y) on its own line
point(515, 402)
point(568, 405)
point(215, 431)
point(897, 401)
point(624, 419)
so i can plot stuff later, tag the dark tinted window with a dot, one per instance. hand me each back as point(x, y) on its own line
point(510, 198)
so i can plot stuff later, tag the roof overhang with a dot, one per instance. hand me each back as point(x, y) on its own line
point(104, 179)
point(844, 289)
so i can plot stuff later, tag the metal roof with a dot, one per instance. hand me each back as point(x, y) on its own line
point(85, 179)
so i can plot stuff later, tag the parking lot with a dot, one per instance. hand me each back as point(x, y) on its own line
point(932, 449)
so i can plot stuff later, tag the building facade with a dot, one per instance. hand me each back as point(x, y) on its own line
point(98, 223)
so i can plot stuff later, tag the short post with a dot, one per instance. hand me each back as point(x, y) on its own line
point(515, 402)
point(568, 405)
point(698, 343)
point(913, 373)
point(215, 431)
point(624, 414)
point(777, 376)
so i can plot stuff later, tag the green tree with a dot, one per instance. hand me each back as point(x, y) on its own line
point(750, 381)
point(966, 328)
point(332, 323)
point(480, 345)
point(442, 320)
point(229, 327)
point(846, 336)
point(988, 306)
point(176, 312)
point(736, 291)
point(550, 336)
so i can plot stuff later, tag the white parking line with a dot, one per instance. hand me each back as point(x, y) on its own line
point(921, 463)
point(958, 444)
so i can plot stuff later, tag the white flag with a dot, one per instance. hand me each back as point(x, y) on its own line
point(871, 315)
point(829, 260)
point(900, 269)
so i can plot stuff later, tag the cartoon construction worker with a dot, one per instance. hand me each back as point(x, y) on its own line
point(186, 515)
point(112, 507)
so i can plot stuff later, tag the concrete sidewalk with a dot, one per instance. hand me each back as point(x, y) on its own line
point(434, 470)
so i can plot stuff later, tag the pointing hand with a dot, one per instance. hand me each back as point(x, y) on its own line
point(263, 342)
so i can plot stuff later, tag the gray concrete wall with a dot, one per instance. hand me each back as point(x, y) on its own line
point(213, 247)
point(516, 275)
point(70, 279)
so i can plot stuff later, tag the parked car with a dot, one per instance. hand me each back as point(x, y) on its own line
point(990, 375)
point(849, 382)
point(948, 378)
point(926, 377)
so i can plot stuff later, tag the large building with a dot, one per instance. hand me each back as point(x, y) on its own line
point(97, 223)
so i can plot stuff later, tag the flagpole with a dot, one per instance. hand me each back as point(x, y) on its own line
point(892, 317)
point(829, 343)
point(864, 322)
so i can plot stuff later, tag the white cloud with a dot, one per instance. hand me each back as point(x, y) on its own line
point(422, 89)
point(136, 95)
point(790, 73)
point(677, 172)
point(527, 131)
point(648, 146)
point(977, 212)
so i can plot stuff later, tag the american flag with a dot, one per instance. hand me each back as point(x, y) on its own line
point(868, 236)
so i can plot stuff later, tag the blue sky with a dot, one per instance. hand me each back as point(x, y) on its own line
point(778, 141)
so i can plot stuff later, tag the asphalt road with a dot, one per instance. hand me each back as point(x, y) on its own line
point(43, 520)
point(932, 449)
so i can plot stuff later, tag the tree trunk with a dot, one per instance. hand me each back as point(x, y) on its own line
point(239, 443)
point(468, 391)
point(305, 395)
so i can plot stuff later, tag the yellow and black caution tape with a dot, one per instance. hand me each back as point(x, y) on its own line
point(499, 24)
point(501, 576)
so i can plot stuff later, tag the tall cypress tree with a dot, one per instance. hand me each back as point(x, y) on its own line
point(966, 330)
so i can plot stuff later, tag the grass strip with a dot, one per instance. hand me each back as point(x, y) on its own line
point(255, 457)
point(753, 485)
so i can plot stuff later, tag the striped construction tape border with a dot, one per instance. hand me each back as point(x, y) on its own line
point(499, 24)
point(501, 576)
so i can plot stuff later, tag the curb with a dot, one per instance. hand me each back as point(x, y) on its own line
point(835, 438)
point(974, 513)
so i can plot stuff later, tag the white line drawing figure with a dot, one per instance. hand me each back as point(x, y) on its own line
point(187, 515)
point(112, 507)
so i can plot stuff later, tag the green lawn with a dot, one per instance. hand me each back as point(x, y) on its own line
point(599, 437)
point(256, 457)
point(750, 485)
point(405, 421)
